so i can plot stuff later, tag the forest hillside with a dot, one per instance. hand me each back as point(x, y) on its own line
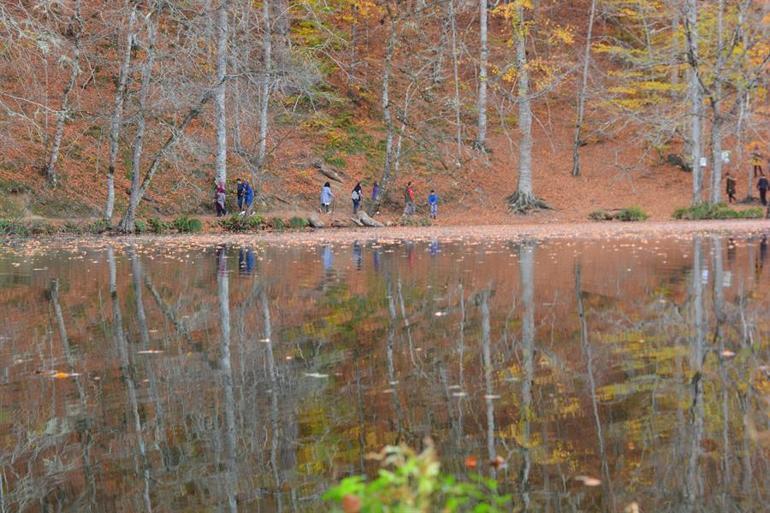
point(131, 109)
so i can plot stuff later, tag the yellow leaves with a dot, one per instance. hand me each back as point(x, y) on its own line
point(510, 11)
point(564, 35)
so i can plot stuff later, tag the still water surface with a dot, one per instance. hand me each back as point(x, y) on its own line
point(163, 378)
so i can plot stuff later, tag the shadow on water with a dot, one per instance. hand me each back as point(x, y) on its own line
point(582, 375)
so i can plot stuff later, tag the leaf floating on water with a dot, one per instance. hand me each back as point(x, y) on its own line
point(265, 340)
point(727, 353)
point(439, 314)
point(316, 375)
point(150, 351)
point(631, 508)
point(459, 394)
point(61, 375)
point(491, 396)
point(588, 480)
point(471, 462)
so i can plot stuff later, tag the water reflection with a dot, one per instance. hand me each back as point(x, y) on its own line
point(144, 379)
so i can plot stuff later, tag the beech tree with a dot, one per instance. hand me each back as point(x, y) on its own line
point(117, 112)
point(74, 30)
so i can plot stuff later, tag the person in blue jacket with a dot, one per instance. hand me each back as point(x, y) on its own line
point(248, 196)
point(433, 202)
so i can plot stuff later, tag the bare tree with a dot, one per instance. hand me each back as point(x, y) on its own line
point(221, 90)
point(128, 221)
point(63, 112)
point(387, 172)
point(581, 104)
point(696, 100)
point(524, 198)
point(481, 134)
point(267, 37)
point(117, 111)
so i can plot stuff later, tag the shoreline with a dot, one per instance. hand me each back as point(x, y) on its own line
point(448, 233)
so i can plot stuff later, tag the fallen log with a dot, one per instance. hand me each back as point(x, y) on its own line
point(327, 171)
point(365, 220)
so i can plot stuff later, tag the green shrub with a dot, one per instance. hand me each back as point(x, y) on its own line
point(413, 483)
point(297, 223)
point(236, 223)
point(184, 224)
point(716, 211)
point(278, 224)
point(157, 225)
point(140, 226)
point(631, 214)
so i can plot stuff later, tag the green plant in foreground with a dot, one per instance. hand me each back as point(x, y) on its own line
point(409, 482)
point(716, 211)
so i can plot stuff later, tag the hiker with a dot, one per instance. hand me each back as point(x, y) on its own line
point(375, 191)
point(357, 195)
point(763, 185)
point(239, 192)
point(326, 198)
point(730, 187)
point(409, 199)
point(219, 200)
point(248, 197)
point(433, 202)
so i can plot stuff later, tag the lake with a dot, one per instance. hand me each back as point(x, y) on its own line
point(595, 375)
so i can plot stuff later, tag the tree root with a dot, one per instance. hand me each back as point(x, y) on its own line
point(524, 203)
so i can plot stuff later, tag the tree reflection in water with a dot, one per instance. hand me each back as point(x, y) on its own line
point(151, 379)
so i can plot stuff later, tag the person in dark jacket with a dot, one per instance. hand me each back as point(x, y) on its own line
point(731, 185)
point(357, 195)
point(763, 185)
point(239, 193)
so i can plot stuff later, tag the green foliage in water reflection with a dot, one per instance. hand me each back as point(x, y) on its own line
point(411, 482)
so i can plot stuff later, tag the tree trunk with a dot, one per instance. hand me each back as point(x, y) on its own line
point(282, 29)
point(489, 399)
point(696, 101)
point(524, 198)
point(582, 93)
point(265, 98)
point(483, 58)
point(61, 116)
point(387, 116)
point(219, 101)
point(437, 75)
point(117, 112)
point(456, 78)
point(127, 224)
point(716, 114)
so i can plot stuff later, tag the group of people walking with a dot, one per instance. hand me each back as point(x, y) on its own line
point(357, 196)
point(762, 185)
point(244, 193)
